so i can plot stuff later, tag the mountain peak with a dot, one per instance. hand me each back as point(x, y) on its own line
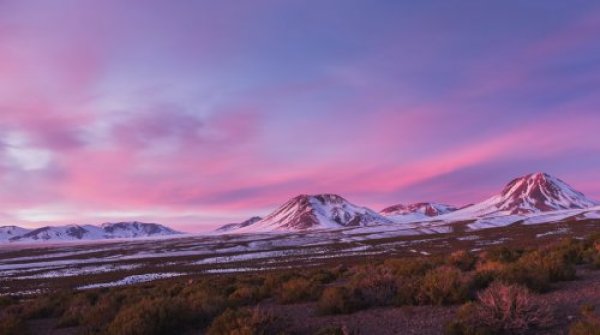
point(316, 211)
point(533, 193)
point(323, 198)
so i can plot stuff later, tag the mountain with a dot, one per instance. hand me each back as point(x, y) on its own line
point(307, 212)
point(234, 226)
point(89, 232)
point(62, 233)
point(423, 208)
point(135, 229)
point(8, 232)
point(530, 194)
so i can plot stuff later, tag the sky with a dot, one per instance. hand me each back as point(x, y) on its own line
point(199, 113)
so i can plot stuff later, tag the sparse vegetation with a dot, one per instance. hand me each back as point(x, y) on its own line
point(497, 288)
point(246, 322)
point(501, 309)
point(589, 324)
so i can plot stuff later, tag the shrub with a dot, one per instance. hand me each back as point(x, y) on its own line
point(97, 316)
point(503, 254)
point(51, 305)
point(407, 290)
point(408, 267)
point(272, 282)
point(463, 260)
point(501, 309)
point(572, 251)
point(535, 279)
point(297, 290)
point(588, 325)
point(245, 295)
point(204, 304)
point(377, 289)
point(149, 317)
point(246, 322)
point(444, 285)
point(12, 325)
point(538, 269)
point(324, 276)
point(337, 300)
point(6, 301)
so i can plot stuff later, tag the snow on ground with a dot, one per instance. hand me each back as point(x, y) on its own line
point(72, 272)
point(257, 255)
point(554, 232)
point(551, 217)
point(469, 238)
point(495, 221)
point(134, 280)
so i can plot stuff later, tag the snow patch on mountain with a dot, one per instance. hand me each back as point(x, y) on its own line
point(422, 211)
point(89, 232)
point(8, 232)
point(307, 212)
point(234, 226)
point(527, 195)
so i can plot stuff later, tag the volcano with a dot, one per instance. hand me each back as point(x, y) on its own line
point(307, 212)
point(530, 194)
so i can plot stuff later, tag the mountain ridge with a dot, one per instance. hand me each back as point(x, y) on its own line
point(106, 231)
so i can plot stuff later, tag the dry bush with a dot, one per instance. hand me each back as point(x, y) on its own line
point(589, 323)
point(6, 301)
point(273, 281)
point(503, 254)
point(407, 290)
point(444, 285)
point(376, 289)
point(78, 308)
point(538, 269)
point(245, 295)
point(324, 276)
point(150, 317)
point(463, 260)
point(246, 322)
point(204, 304)
point(12, 325)
point(409, 267)
point(50, 305)
point(337, 300)
point(535, 279)
point(511, 307)
point(99, 315)
point(501, 309)
point(298, 290)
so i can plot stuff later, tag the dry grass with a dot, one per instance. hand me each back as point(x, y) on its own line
point(504, 309)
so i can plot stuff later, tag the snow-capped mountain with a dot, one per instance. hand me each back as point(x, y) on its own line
point(8, 232)
point(233, 226)
point(423, 208)
point(422, 211)
point(307, 212)
point(90, 232)
point(530, 194)
point(135, 229)
point(62, 233)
